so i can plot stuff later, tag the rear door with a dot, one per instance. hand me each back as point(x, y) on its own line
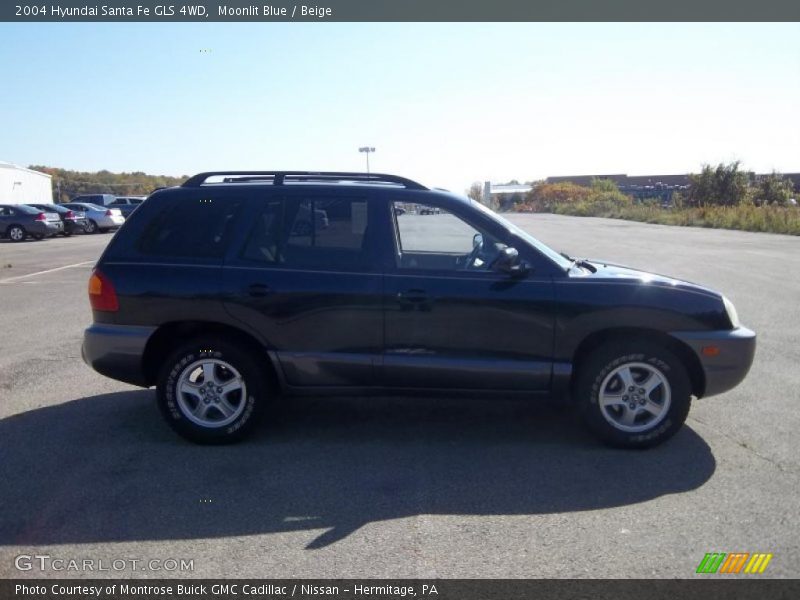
point(306, 280)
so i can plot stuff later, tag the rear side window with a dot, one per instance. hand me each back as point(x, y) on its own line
point(311, 233)
point(191, 228)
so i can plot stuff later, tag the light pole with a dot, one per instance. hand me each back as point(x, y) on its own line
point(367, 150)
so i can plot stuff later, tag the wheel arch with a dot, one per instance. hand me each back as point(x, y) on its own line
point(684, 353)
point(169, 335)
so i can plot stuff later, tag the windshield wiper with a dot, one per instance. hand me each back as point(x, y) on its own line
point(579, 262)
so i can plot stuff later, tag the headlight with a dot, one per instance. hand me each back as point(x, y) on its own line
point(731, 310)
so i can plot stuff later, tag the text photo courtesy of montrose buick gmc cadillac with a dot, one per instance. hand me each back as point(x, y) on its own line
point(212, 293)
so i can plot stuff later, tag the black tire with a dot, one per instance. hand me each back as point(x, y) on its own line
point(91, 226)
point(174, 407)
point(603, 371)
point(104, 230)
point(66, 233)
point(37, 236)
point(16, 233)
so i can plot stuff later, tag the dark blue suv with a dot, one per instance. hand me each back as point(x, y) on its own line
point(239, 286)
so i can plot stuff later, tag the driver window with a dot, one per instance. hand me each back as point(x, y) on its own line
point(431, 238)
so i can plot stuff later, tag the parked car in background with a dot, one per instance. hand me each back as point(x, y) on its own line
point(127, 204)
point(74, 221)
point(98, 218)
point(98, 199)
point(18, 221)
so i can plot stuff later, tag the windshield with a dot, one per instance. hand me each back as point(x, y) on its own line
point(519, 232)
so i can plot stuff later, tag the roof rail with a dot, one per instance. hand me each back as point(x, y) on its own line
point(282, 177)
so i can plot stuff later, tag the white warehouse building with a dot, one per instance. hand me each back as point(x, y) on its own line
point(19, 185)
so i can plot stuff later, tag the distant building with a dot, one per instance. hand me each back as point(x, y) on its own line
point(623, 180)
point(19, 185)
point(633, 182)
point(495, 194)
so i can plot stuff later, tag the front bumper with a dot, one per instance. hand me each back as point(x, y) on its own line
point(117, 351)
point(727, 366)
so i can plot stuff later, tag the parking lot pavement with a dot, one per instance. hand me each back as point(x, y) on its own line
point(406, 487)
point(23, 258)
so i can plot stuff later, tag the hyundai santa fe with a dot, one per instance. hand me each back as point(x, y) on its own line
point(224, 293)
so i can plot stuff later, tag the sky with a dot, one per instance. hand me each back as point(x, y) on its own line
point(445, 104)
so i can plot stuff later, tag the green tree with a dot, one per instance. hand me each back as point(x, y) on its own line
point(723, 185)
point(773, 189)
point(68, 184)
point(605, 190)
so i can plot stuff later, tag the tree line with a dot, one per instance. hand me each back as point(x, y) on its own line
point(67, 184)
point(720, 185)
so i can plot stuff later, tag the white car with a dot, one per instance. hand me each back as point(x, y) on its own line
point(98, 218)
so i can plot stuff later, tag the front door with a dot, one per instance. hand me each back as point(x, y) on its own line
point(451, 320)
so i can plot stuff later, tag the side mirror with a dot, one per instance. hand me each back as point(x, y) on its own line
point(477, 241)
point(509, 262)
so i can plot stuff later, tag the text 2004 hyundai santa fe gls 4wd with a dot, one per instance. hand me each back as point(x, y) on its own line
point(238, 286)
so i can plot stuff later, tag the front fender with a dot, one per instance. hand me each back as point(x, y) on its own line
point(587, 306)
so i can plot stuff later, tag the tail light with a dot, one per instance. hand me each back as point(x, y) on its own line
point(109, 213)
point(102, 295)
point(40, 217)
point(70, 214)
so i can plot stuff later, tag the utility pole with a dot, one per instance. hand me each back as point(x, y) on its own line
point(366, 150)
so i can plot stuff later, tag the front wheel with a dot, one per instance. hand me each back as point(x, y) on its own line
point(211, 391)
point(633, 394)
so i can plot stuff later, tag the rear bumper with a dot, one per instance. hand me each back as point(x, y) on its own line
point(44, 227)
point(728, 367)
point(73, 225)
point(110, 222)
point(117, 351)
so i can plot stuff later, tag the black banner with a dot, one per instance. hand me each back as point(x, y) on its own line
point(376, 589)
point(401, 10)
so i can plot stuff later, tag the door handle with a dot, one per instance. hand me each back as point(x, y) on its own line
point(413, 297)
point(258, 290)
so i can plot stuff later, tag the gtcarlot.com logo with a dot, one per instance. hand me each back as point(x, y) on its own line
point(734, 563)
point(45, 562)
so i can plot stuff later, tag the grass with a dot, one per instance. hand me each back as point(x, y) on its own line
point(745, 217)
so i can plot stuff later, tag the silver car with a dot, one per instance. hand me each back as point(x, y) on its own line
point(98, 218)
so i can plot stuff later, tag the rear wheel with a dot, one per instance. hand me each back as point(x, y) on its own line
point(37, 236)
point(91, 226)
point(633, 394)
point(16, 233)
point(211, 391)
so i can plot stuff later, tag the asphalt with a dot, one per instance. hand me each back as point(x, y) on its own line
point(401, 487)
